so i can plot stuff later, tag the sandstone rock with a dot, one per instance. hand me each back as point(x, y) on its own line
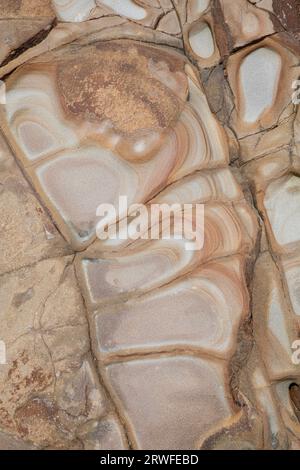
point(178, 397)
point(27, 232)
point(49, 384)
point(254, 75)
point(10, 443)
point(22, 21)
point(246, 22)
point(106, 434)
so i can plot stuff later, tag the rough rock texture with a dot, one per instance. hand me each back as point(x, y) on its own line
point(140, 343)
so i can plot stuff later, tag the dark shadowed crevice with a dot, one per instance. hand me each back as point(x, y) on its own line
point(33, 41)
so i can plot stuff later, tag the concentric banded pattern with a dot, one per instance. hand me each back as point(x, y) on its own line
point(86, 132)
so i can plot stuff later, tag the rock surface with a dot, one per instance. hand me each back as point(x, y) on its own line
point(141, 343)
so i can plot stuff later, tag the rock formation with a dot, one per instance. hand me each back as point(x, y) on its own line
point(139, 343)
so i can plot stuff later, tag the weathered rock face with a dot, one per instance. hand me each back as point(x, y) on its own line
point(23, 21)
point(138, 342)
